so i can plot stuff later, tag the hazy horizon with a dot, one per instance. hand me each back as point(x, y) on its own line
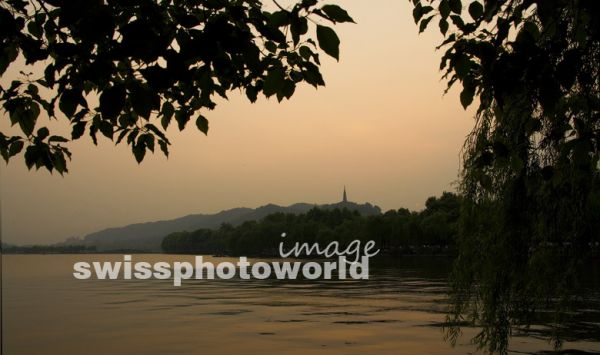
point(381, 126)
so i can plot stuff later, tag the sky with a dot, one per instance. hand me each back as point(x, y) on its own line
point(382, 127)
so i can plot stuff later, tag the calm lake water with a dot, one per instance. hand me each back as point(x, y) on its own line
point(398, 311)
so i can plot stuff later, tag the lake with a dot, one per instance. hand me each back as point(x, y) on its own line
point(400, 309)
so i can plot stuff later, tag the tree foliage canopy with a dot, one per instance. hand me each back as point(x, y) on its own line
point(401, 231)
point(126, 69)
point(530, 168)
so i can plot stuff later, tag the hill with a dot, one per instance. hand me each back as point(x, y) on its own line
point(148, 236)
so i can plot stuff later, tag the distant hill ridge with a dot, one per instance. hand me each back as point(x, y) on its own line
point(148, 236)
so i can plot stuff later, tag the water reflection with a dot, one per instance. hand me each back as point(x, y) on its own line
point(400, 309)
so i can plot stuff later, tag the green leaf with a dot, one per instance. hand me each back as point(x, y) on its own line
point(252, 93)
point(93, 131)
point(443, 26)
point(149, 139)
point(28, 118)
point(458, 22)
point(456, 6)
point(142, 101)
point(427, 9)
point(462, 66)
point(298, 27)
point(273, 82)
point(289, 87)
point(32, 90)
point(58, 139)
point(112, 101)
point(69, 101)
point(126, 119)
point(424, 24)
point(42, 133)
point(59, 162)
point(280, 18)
point(139, 150)
point(164, 147)
point(312, 75)
point(167, 113)
point(271, 46)
point(132, 135)
point(31, 156)
point(328, 41)
point(444, 9)
point(188, 20)
point(336, 13)
point(476, 10)
point(121, 136)
point(202, 124)
point(305, 52)
point(8, 55)
point(106, 128)
point(35, 29)
point(15, 148)
point(182, 117)
point(418, 12)
point(152, 128)
point(78, 130)
point(532, 29)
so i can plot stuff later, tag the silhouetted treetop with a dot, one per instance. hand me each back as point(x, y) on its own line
point(530, 165)
point(149, 62)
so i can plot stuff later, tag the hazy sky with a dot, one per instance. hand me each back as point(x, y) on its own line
point(381, 126)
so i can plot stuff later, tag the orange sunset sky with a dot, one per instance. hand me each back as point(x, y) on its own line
point(381, 126)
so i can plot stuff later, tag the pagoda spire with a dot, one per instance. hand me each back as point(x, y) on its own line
point(345, 197)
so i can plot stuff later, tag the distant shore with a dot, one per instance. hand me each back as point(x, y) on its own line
point(49, 250)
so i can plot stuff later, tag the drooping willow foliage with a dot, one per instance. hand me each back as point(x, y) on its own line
point(530, 165)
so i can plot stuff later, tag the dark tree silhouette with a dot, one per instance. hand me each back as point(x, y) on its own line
point(433, 230)
point(149, 62)
point(530, 169)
